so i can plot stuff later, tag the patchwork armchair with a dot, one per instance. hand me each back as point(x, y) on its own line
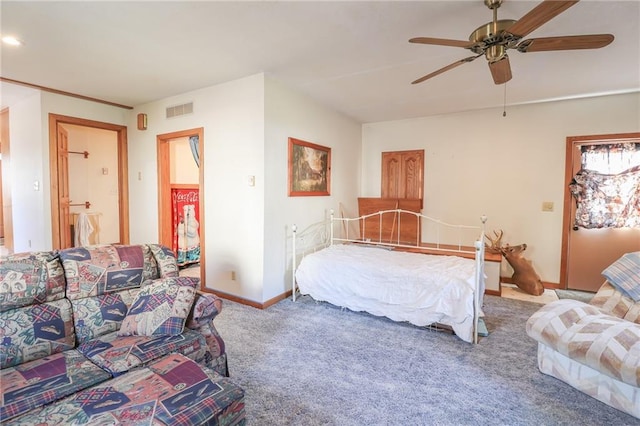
point(595, 346)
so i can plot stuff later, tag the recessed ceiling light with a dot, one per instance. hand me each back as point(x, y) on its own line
point(11, 40)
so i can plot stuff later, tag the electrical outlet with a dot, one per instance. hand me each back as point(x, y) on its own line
point(233, 275)
point(547, 206)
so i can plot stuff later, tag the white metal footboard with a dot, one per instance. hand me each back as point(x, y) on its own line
point(313, 238)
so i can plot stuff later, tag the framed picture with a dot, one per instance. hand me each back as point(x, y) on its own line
point(309, 168)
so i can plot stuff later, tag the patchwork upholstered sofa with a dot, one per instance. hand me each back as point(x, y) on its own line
point(595, 346)
point(110, 335)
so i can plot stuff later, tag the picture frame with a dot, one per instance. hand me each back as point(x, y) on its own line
point(309, 169)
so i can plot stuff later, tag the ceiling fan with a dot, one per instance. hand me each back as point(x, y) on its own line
point(496, 37)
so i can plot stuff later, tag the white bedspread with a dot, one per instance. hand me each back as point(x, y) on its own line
point(418, 288)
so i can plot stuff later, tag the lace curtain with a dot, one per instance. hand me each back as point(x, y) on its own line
point(607, 188)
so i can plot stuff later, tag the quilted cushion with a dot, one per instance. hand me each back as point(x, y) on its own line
point(150, 269)
point(30, 278)
point(35, 383)
point(119, 354)
point(35, 331)
point(591, 337)
point(611, 300)
point(99, 315)
point(96, 270)
point(173, 391)
point(161, 308)
point(624, 274)
point(166, 259)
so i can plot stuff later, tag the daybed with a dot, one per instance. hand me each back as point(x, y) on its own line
point(595, 346)
point(110, 334)
point(394, 278)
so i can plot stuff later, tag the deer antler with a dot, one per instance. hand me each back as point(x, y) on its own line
point(496, 242)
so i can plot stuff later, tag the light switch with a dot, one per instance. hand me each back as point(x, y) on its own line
point(251, 180)
point(547, 206)
point(36, 185)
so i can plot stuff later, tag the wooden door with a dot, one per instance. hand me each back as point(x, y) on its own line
point(587, 252)
point(402, 174)
point(63, 188)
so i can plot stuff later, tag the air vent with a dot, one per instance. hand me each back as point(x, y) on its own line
point(177, 110)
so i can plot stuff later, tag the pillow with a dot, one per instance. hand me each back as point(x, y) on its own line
point(161, 308)
point(624, 274)
point(166, 260)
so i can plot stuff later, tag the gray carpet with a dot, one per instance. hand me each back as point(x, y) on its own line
point(309, 363)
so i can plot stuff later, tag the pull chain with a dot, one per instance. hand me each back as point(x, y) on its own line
point(504, 104)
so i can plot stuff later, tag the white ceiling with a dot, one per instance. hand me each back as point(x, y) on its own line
point(352, 56)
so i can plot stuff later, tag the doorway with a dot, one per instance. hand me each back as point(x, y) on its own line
point(5, 186)
point(587, 252)
point(63, 206)
point(180, 204)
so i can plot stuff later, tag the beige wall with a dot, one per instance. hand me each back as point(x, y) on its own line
point(95, 179)
point(480, 162)
point(183, 168)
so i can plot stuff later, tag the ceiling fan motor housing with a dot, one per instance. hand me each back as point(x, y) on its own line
point(492, 39)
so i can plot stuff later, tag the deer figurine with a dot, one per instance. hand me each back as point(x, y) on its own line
point(524, 276)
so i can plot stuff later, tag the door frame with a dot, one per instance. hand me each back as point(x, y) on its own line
point(165, 235)
point(567, 221)
point(55, 120)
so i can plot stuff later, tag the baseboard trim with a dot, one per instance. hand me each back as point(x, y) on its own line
point(552, 286)
point(247, 302)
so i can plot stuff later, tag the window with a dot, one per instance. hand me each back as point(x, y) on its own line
point(610, 158)
point(607, 188)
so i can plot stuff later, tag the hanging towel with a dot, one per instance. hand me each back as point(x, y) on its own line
point(83, 230)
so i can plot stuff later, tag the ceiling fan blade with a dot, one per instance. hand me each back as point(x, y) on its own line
point(441, 42)
point(543, 44)
point(444, 69)
point(538, 16)
point(501, 70)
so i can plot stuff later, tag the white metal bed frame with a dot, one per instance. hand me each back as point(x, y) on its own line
point(317, 233)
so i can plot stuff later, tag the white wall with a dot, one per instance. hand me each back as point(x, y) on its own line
point(505, 167)
point(73, 107)
point(289, 114)
point(232, 115)
point(246, 124)
point(29, 164)
point(29, 135)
